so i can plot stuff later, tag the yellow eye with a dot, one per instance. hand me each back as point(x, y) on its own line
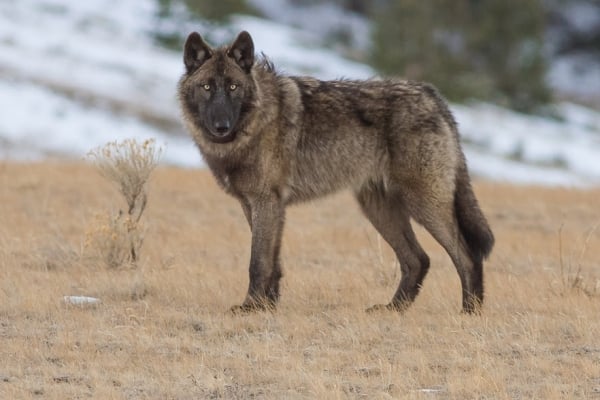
point(232, 87)
point(206, 87)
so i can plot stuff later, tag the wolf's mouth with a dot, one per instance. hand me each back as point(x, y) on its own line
point(221, 137)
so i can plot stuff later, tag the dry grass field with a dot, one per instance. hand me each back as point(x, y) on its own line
point(163, 331)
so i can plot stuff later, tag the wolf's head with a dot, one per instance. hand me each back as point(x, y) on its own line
point(217, 88)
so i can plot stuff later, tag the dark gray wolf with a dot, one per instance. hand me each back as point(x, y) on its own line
point(273, 140)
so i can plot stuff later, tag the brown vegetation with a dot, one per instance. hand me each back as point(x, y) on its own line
point(163, 331)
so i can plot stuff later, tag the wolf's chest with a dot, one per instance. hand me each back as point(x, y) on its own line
point(237, 181)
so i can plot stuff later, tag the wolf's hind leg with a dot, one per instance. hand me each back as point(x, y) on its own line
point(438, 217)
point(389, 216)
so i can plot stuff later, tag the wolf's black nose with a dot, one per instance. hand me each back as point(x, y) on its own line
point(222, 126)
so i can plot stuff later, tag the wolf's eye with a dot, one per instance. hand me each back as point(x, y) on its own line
point(206, 87)
point(232, 87)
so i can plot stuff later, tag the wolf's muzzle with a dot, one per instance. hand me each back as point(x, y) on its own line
point(221, 132)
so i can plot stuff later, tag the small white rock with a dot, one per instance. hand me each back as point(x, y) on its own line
point(81, 300)
point(434, 389)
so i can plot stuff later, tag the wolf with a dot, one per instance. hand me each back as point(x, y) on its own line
point(273, 140)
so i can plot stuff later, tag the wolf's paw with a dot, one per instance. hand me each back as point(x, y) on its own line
point(472, 305)
point(241, 309)
point(473, 310)
point(252, 307)
point(386, 307)
point(377, 308)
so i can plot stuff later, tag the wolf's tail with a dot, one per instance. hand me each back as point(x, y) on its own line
point(471, 221)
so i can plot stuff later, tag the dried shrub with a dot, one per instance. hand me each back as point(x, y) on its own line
point(118, 239)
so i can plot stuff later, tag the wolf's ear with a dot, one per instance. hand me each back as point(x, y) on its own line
point(195, 52)
point(242, 51)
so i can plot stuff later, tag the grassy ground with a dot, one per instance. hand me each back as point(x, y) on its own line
point(163, 331)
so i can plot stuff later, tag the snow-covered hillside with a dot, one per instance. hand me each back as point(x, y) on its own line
point(74, 75)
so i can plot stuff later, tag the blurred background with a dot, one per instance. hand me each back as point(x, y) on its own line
point(522, 76)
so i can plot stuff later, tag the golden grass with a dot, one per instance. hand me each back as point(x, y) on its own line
point(163, 331)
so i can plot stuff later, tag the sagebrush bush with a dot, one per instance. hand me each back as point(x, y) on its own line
point(118, 239)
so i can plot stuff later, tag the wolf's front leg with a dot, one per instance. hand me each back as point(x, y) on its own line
point(266, 217)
